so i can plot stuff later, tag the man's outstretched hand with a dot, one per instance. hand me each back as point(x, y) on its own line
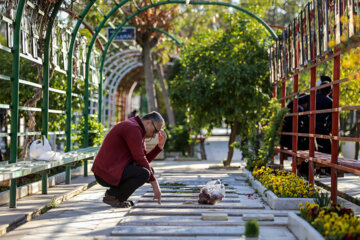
point(157, 191)
point(162, 138)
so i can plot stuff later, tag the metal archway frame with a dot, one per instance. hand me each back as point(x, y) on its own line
point(69, 75)
point(87, 67)
point(103, 56)
point(15, 90)
point(122, 67)
point(115, 62)
point(114, 56)
point(107, 97)
point(116, 72)
point(113, 92)
point(127, 68)
point(85, 24)
point(127, 19)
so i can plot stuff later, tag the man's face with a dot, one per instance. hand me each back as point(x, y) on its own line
point(153, 128)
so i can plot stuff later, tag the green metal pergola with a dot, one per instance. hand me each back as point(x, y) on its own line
point(69, 69)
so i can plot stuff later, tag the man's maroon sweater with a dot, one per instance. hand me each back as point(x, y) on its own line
point(124, 143)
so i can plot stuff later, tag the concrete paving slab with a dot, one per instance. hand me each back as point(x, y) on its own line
point(243, 178)
point(198, 212)
point(214, 217)
point(177, 231)
point(195, 174)
point(258, 217)
point(268, 233)
point(177, 238)
point(231, 183)
point(188, 190)
point(245, 192)
point(194, 204)
point(187, 199)
point(182, 221)
point(188, 170)
point(180, 195)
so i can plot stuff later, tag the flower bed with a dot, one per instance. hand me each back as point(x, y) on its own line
point(302, 229)
point(284, 184)
point(332, 222)
point(290, 190)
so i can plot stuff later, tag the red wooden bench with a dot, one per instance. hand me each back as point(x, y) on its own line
point(323, 159)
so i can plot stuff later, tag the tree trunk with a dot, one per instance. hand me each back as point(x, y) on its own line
point(234, 127)
point(149, 78)
point(169, 110)
point(202, 149)
point(357, 133)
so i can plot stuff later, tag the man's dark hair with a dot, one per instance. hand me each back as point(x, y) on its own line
point(324, 80)
point(154, 116)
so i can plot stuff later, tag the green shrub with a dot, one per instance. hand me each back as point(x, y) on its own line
point(322, 199)
point(177, 139)
point(96, 132)
point(252, 229)
point(258, 148)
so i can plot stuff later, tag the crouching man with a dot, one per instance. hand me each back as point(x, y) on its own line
point(123, 165)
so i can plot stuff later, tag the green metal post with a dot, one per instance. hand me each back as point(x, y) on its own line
point(87, 69)
point(68, 174)
point(70, 72)
point(103, 56)
point(100, 92)
point(44, 178)
point(45, 108)
point(15, 97)
point(85, 168)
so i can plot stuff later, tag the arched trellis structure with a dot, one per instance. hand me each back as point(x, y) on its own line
point(124, 91)
point(112, 85)
point(114, 65)
point(112, 94)
point(87, 8)
point(114, 61)
point(70, 41)
point(103, 57)
point(22, 41)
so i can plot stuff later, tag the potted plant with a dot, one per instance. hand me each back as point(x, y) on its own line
point(252, 230)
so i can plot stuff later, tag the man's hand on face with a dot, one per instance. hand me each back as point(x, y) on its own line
point(162, 138)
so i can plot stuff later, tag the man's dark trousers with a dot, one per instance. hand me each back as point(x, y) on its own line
point(132, 178)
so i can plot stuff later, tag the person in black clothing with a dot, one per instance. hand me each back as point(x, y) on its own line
point(323, 122)
point(303, 125)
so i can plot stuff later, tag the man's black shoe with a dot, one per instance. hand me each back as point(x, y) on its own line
point(114, 202)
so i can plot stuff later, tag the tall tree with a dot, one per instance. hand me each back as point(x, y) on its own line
point(147, 38)
point(160, 74)
point(224, 75)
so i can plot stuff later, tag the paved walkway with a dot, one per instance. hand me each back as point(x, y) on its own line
point(179, 216)
point(85, 216)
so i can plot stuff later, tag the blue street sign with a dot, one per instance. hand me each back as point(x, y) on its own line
point(125, 34)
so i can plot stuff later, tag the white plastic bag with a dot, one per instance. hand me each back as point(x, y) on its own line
point(41, 150)
point(213, 192)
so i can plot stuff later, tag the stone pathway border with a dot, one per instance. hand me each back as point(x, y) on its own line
point(33, 206)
